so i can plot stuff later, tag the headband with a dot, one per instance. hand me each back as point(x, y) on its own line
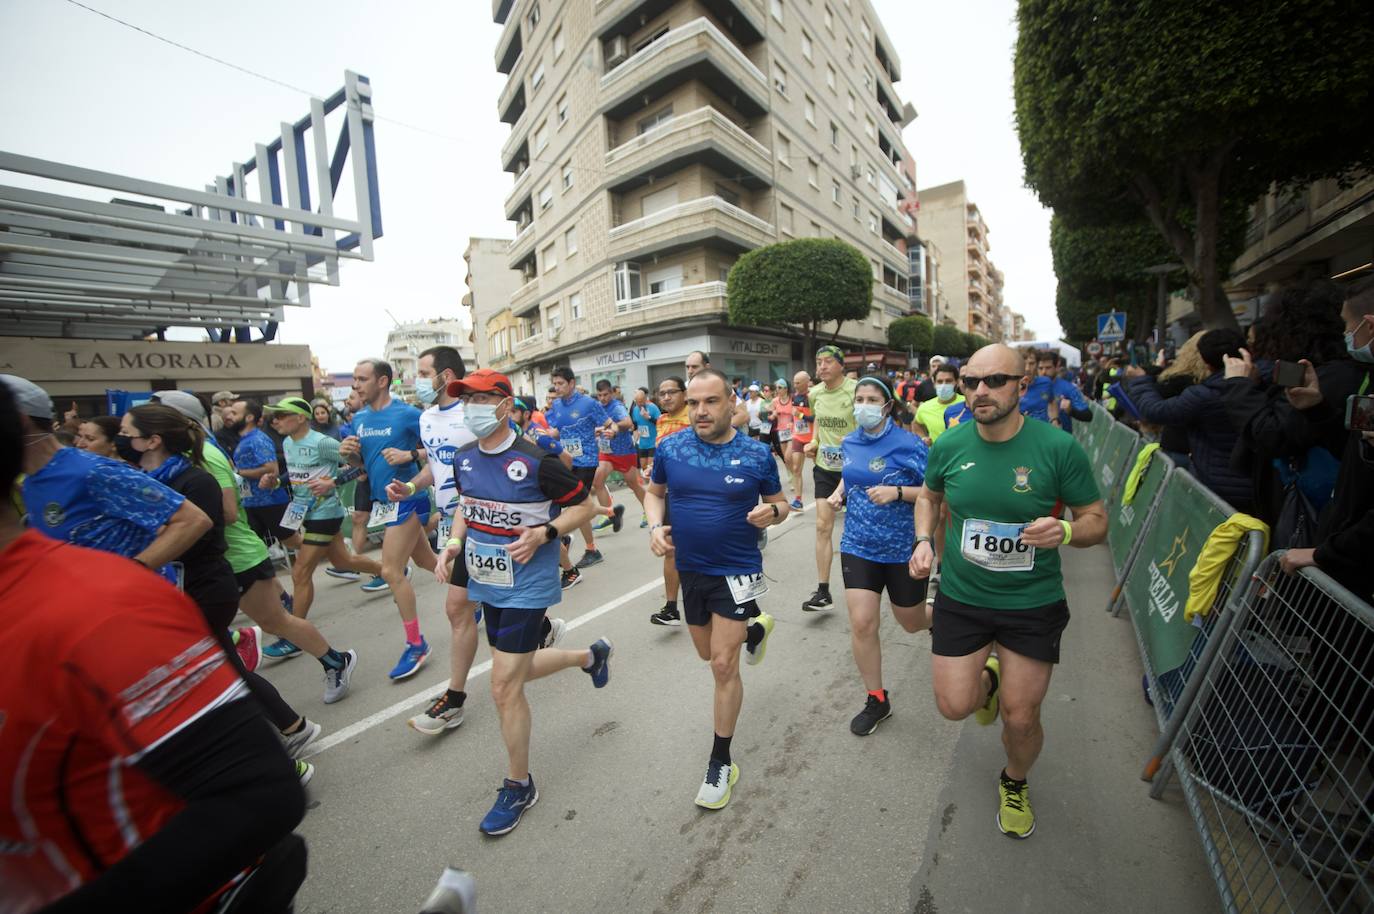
point(866, 379)
point(834, 352)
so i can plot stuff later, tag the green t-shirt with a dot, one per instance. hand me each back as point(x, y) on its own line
point(833, 419)
point(242, 548)
point(931, 414)
point(314, 456)
point(994, 489)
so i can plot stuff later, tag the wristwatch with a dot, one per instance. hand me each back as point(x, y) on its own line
point(550, 533)
point(925, 539)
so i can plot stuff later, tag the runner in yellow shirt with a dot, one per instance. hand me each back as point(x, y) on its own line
point(832, 406)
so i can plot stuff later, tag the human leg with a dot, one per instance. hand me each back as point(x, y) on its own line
point(863, 636)
point(398, 544)
point(509, 672)
point(340, 556)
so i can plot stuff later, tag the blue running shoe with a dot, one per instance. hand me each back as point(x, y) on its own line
point(376, 585)
point(512, 801)
point(796, 504)
point(281, 649)
point(602, 524)
point(600, 670)
point(412, 658)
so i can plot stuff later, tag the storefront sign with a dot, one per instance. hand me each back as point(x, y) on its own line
point(117, 360)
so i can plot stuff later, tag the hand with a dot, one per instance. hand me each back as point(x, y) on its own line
point(531, 538)
point(1241, 367)
point(397, 491)
point(1065, 405)
point(1308, 394)
point(1043, 533)
point(349, 447)
point(394, 456)
point(1135, 371)
point(881, 495)
point(321, 487)
point(836, 499)
point(1294, 559)
point(443, 564)
point(661, 541)
point(922, 560)
point(1368, 437)
point(268, 481)
point(810, 449)
point(71, 415)
point(1162, 359)
point(762, 516)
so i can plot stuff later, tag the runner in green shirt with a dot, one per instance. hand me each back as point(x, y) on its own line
point(1004, 480)
point(832, 407)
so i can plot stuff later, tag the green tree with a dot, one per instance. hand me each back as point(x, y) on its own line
point(915, 333)
point(948, 341)
point(805, 282)
point(1175, 108)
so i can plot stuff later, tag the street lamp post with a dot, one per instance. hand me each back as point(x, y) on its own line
point(1161, 272)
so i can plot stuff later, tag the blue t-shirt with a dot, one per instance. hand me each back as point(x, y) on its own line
point(577, 419)
point(957, 413)
point(712, 488)
point(98, 503)
point(893, 457)
point(1035, 402)
point(624, 441)
point(540, 436)
point(256, 449)
point(395, 425)
point(646, 424)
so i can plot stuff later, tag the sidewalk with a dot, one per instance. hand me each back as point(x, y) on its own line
point(1100, 842)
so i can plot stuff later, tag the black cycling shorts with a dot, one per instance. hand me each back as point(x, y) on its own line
point(265, 521)
point(826, 482)
point(515, 631)
point(362, 497)
point(320, 532)
point(959, 629)
point(707, 594)
point(894, 577)
point(263, 571)
point(458, 576)
point(586, 475)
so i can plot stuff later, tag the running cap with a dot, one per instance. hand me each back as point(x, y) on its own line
point(835, 352)
point(184, 402)
point(520, 405)
point(754, 386)
point(223, 395)
point(30, 399)
point(484, 380)
point(295, 405)
point(938, 358)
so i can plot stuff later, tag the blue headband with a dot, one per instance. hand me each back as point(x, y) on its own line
point(879, 381)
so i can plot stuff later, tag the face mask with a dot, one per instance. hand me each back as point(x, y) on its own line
point(424, 389)
point(480, 418)
point(1363, 353)
point(868, 415)
point(944, 392)
point(124, 446)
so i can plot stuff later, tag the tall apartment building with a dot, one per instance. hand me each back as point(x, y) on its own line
point(972, 285)
point(490, 282)
point(406, 341)
point(655, 141)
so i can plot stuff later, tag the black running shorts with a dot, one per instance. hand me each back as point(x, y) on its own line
point(263, 571)
point(515, 631)
point(320, 532)
point(362, 497)
point(265, 521)
point(826, 482)
point(458, 575)
point(585, 475)
point(707, 594)
point(959, 629)
point(902, 589)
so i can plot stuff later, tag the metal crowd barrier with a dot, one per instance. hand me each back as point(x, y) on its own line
point(1275, 755)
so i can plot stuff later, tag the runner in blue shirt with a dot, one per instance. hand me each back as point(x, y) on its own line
point(516, 500)
point(386, 443)
point(645, 415)
point(957, 413)
point(1042, 398)
point(884, 466)
point(255, 456)
point(715, 478)
point(574, 418)
point(617, 446)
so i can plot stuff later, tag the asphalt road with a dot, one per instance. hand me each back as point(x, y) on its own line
point(820, 821)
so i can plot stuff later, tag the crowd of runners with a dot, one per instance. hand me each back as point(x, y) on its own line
point(956, 492)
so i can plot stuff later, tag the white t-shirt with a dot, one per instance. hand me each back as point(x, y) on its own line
point(443, 432)
point(753, 407)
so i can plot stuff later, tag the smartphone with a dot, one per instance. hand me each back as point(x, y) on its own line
point(1359, 414)
point(1289, 374)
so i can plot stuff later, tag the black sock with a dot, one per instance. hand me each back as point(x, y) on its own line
point(333, 660)
point(753, 634)
point(670, 605)
point(720, 749)
point(545, 628)
point(456, 698)
point(823, 588)
point(992, 681)
point(1007, 777)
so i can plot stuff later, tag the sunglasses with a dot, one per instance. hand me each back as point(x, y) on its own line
point(670, 391)
point(993, 381)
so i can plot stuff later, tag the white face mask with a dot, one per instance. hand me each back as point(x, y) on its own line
point(868, 415)
point(480, 418)
point(424, 390)
point(945, 392)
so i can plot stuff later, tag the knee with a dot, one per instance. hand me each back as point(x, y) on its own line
point(951, 708)
point(460, 613)
point(1020, 720)
point(393, 572)
point(864, 627)
point(725, 668)
point(504, 692)
point(824, 524)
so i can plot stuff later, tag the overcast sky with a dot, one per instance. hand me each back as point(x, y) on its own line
point(90, 92)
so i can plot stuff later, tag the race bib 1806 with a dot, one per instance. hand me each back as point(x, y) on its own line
point(746, 587)
point(996, 547)
point(490, 564)
point(383, 513)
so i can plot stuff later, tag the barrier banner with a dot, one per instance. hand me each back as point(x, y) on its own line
point(1157, 586)
point(1125, 522)
point(1111, 467)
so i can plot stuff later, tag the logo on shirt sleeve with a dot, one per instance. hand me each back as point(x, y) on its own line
point(53, 515)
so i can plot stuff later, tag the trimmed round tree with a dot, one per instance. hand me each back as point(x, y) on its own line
point(948, 341)
point(915, 333)
point(806, 283)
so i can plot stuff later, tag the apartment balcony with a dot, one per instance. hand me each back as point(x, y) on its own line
point(515, 85)
point(898, 255)
point(688, 225)
point(509, 47)
point(704, 135)
point(624, 17)
point(522, 245)
point(525, 299)
point(686, 302)
point(525, 347)
point(894, 301)
point(519, 193)
point(695, 51)
point(500, 9)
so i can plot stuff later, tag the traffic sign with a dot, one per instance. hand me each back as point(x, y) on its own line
point(1111, 327)
point(1094, 348)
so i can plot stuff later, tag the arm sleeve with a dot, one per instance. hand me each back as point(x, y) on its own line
point(559, 484)
point(1345, 554)
point(1270, 425)
point(1153, 408)
point(769, 483)
point(916, 460)
point(133, 496)
point(329, 450)
point(654, 412)
point(659, 474)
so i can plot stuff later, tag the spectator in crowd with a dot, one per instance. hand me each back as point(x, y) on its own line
point(324, 420)
point(1185, 370)
point(925, 390)
point(1199, 409)
point(908, 387)
point(97, 435)
point(219, 425)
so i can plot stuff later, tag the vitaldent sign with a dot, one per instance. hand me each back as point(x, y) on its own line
point(115, 360)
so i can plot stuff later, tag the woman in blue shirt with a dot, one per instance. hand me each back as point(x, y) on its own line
point(884, 467)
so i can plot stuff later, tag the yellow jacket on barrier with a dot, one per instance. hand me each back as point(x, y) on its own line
point(1142, 460)
point(1205, 577)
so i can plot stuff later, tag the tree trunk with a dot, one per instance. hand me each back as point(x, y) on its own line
point(1205, 184)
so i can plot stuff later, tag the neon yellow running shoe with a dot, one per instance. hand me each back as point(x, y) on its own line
point(754, 655)
point(988, 712)
point(1014, 816)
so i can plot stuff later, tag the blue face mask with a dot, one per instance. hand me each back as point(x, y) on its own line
point(868, 415)
point(480, 418)
point(1363, 353)
point(424, 390)
point(944, 392)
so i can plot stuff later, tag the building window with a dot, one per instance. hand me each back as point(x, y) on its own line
point(662, 116)
point(785, 218)
point(835, 192)
point(651, 39)
point(665, 280)
point(570, 241)
point(775, 6)
point(815, 230)
point(575, 306)
point(868, 78)
point(784, 151)
point(779, 78)
point(864, 30)
point(541, 137)
point(554, 319)
point(872, 176)
point(851, 102)
point(830, 77)
point(809, 110)
point(876, 316)
point(533, 17)
point(537, 78)
point(869, 129)
point(849, 50)
point(567, 175)
point(835, 134)
point(829, 18)
point(546, 196)
point(550, 257)
point(563, 109)
point(853, 156)
point(813, 173)
point(627, 281)
point(658, 201)
point(726, 194)
point(806, 46)
point(558, 44)
point(873, 222)
point(854, 208)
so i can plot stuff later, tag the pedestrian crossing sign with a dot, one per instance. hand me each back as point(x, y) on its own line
point(1111, 327)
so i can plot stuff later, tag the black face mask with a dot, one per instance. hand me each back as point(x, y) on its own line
point(124, 446)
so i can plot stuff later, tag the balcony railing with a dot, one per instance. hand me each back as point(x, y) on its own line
point(680, 296)
point(530, 341)
point(630, 72)
point(698, 206)
point(521, 235)
point(713, 119)
point(525, 297)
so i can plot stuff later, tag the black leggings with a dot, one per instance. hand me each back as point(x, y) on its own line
point(219, 616)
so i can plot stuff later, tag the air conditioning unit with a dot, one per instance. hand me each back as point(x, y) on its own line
point(617, 51)
point(856, 172)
